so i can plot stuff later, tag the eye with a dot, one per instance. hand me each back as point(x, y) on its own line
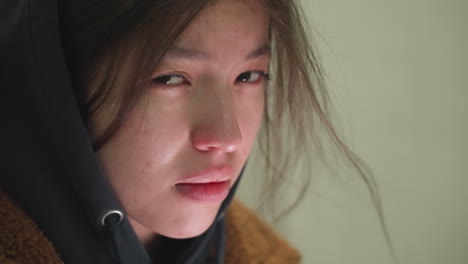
point(170, 80)
point(252, 76)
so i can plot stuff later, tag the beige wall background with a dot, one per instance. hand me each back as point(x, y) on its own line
point(398, 74)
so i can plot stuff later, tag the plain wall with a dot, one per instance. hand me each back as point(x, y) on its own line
point(398, 75)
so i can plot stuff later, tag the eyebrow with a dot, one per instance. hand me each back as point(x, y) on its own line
point(196, 55)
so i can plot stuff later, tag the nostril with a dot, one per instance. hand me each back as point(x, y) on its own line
point(208, 139)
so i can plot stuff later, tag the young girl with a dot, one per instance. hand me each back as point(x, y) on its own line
point(128, 124)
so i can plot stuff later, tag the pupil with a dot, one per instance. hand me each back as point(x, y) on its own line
point(245, 76)
point(165, 79)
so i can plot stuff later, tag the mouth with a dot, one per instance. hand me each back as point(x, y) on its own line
point(208, 185)
point(210, 191)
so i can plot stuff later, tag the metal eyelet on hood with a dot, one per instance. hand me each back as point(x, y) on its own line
point(110, 213)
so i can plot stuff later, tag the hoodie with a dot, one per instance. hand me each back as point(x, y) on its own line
point(48, 163)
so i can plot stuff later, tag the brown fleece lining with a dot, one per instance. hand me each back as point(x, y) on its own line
point(21, 241)
point(249, 240)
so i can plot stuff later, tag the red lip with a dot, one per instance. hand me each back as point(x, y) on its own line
point(214, 191)
point(215, 174)
point(208, 185)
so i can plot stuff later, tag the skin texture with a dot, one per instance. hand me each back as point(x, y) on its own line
point(206, 115)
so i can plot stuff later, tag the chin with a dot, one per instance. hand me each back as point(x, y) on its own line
point(187, 222)
point(187, 230)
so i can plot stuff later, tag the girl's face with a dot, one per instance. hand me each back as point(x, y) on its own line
point(174, 160)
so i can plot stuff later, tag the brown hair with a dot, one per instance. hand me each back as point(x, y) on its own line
point(112, 37)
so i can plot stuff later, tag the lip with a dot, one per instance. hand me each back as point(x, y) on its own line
point(210, 192)
point(208, 185)
point(211, 175)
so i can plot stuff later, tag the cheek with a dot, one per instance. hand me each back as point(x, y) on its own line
point(146, 143)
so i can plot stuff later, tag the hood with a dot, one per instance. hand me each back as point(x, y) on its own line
point(49, 167)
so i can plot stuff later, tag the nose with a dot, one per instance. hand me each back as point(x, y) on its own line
point(216, 126)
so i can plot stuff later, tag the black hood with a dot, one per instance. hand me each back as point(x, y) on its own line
point(48, 166)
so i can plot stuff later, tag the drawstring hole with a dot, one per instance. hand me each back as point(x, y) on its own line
point(112, 214)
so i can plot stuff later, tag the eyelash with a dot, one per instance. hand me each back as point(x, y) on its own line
point(157, 80)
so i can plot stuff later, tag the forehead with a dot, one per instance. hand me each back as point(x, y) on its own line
point(227, 26)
